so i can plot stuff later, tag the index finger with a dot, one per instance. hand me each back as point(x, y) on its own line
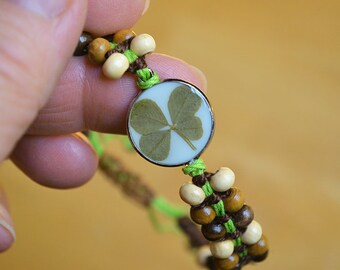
point(108, 16)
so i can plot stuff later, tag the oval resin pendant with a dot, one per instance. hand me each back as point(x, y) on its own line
point(171, 123)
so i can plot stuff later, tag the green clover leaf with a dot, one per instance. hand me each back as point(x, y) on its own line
point(148, 120)
point(147, 117)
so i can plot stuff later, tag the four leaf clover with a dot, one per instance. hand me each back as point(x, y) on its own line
point(148, 120)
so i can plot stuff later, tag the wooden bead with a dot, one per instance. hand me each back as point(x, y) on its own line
point(213, 231)
point(143, 44)
point(123, 35)
point(261, 257)
point(252, 234)
point(203, 253)
point(234, 201)
point(115, 66)
point(191, 194)
point(222, 180)
point(243, 217)
point(203, 215)
point(84, 41)
point(228, 263)
point(259, 248)
point(222, 249)
point(97, 50)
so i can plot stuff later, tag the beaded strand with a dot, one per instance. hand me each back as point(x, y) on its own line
point(235, 237)
point(121, 52)
point(232, 238)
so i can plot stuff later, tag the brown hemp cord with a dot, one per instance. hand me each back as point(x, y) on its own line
point(134, 188)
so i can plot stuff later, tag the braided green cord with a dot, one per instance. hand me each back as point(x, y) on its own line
point(113, 45)
point(195, 168)
point(237, 242)
point(220, 211)
point(243, 254)
point(230, 226)
point(207, 189)
point(169, 210)
point(146, 78)
point(161, 205)
point(130, 55)
point(160, 226)
point(219, 208)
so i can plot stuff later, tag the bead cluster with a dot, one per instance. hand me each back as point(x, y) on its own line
point(118, 53)
point(227, 222)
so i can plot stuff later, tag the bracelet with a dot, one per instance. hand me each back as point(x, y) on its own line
point(170, 123)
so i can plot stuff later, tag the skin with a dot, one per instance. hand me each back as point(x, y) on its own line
point(47, 96)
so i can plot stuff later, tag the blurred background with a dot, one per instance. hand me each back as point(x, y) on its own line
point(273, 70)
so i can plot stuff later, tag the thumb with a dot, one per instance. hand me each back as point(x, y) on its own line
point(37, 38)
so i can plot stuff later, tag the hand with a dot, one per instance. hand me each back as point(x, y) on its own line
point(47, 96)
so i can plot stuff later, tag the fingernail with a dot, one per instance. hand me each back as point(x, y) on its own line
point(7, 233)
point(83, 137)
point(45, 8)
point(146, 7)
point(202, 77)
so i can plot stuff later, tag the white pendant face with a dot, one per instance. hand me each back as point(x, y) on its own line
point(170, 123)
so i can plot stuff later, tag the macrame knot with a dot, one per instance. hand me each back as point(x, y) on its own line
point(146, 78)
point(195, 168)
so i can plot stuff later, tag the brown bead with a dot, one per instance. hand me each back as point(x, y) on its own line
point(243, 217)
point(234, 201)
point(123, 35)
point(97, 50)
point(203, 215)
point(228, 263)
point(259, 248)
point(213, 231)
point(84, 40)
point(261, 257)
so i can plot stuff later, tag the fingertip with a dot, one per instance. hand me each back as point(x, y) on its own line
point(173, 68)
point(65, 161)
point(6, 237)
point(107, 17)
point(7, 233)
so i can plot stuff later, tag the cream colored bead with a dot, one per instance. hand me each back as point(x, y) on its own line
point(191, 194)
point(143, 44)
point(203, 253)
point(222, 180)
point(222, 249)
point(252, 234)
point(115, 66)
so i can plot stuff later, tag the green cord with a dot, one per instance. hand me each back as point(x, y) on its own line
point(230, 226)
point(146, 78)
point(195, 168)
point(96, 143)
point(207, 189)
point(130, 55)
point(163, 206)
point(218, 207)
point(237, 242)
point(243, 254)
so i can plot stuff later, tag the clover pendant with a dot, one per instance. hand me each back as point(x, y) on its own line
point(171, 123)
